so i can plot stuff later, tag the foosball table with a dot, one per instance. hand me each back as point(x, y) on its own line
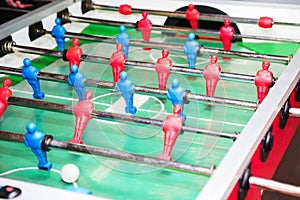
point(232, 132)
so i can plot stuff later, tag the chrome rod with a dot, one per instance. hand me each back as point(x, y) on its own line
point(129, 63)
point(275, 186)
point(139, 89)
point(110, 153)
point(32, 103)
point(179, 29)
point(202, 16)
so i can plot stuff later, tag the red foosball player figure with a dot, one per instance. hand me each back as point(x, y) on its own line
point(74, 53)
point(192, 15)
point(5, 93)
point(19, 4)
point(163, 66)
point(212, 75)
point(117, 61)
point(226, 35)
point(263, 81)
point(144, 26)
point(82, 112)
point(171, 127)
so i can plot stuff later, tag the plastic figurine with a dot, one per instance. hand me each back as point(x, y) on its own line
point(30, 72)
point(123, 38)
point(226, 34)
point(5, 93)
point(33, 139)
point(74, 53)
point(212, 75)
point(125, 86)
point(263, 81)
point(79, 189)
point(77, 79)
point(82, 112)
point(117, 61)
point(144, 26)
point(171, 127)
point(163, 66)
point(58, 32)
point(192, 15)
point(191, 48)
point(175, 94)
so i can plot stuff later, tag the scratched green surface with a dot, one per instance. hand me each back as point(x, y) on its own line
point(120, 179)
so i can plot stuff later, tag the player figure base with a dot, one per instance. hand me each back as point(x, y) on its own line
point(79, 189)
point(46, 167)
point(164, 157)
point(76, 141)
point(162, 87)
point(208, 106)
point(40, 95)
point(131, 110)
point(226, 58)
point(192, 77)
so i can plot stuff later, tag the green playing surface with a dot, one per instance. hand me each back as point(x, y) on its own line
point(120, 179)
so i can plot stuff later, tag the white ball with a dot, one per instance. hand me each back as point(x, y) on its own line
point(69, 173)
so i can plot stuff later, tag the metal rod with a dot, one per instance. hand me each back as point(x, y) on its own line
point(107, 39)
point(15, 10)
point(275, 186)
point(130, 157)
point(141, 89)
point(179, 29)
point(31, 103)
point(131, 63)
point(204, 16)
point(220, 100)
point(295, 112)
point(158, 45)
point(35, 50)
point(259, 37)
point(285, 59)
point(133, 25)
point(136, 10)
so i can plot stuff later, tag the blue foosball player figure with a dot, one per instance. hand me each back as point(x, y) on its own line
point(191, 48)
point(34, 139)
point(79, 189)
point(125, 86)
point(123, 38)
point(58, 32)
point(176, 94)
point(30, 72)
point(76, 80)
